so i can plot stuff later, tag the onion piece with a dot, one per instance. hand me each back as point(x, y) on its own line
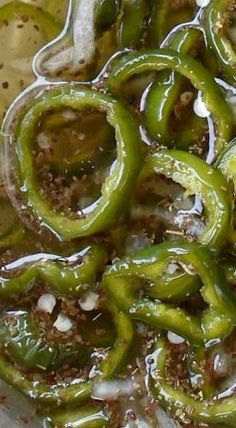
point(199, 107)
point(81, 53)
point(164, 420)
point(111, 390)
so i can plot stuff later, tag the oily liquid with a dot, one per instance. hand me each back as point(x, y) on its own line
point(73, 154)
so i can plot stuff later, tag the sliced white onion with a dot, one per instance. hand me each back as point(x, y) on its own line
point(138, 423)
point(174, 338)
point(220, 362)
point(83, 49)
point(199, 107)
point(63, 323)
point(202, 3)
point(111, 390)
point(89, 301)
point(84, 33)
point(47, 303)
point(137, 241)
point(164, 421)
point(59, 60)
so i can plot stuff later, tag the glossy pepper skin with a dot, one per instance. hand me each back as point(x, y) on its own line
point(201, 179)
point(66, 393)
point(226, 163)
point(107, 12)
point(164, 17)
point(66, 276)
point(21, 338)
point(215, 20)
point(161, 59)
point(87, 417)
point(215, 410)
point(14, 231)
point(166, 90)
point(115, 188)
point(140, 271)
point(131, 23)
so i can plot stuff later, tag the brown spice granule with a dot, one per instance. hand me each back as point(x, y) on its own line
point(5, 85)
point(24, 18)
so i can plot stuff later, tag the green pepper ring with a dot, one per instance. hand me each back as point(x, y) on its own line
point(65, 275)
point(76, 392)
point(214, 323)
point(160, 59)
point(198, 178)
point(214, 410)
point(115, 188)
point(166, 90)
point(218, 40)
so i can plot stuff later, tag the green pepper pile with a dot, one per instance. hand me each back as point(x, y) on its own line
point(156, 242)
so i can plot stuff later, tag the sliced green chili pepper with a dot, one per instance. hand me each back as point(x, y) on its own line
point(116, 187)
point(165, 92)
point(164, 17)
point(68, 276)
point(140, 271)
point(131, 25)
point(135, 63)
point(199, 378)
point(214, 411)
point(76, 392)
point(107, 12)
point(87, 417)
point(12, 231)
point(201, 179)
point(216, 20)
point(226, 163)
point(21, 338)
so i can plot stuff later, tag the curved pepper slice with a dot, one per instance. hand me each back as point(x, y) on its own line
point(115, 188)
point(226, 163)
point(13, 231)
point(87, 417)
point(131, 23)
point(135, 63)
point(200, 179)
point(106, 12)
point(73, 393)
point(215, 20)
point(68, 276)
point(165, 91)
point(164, 17)
point(214, 411)
point(21, 338)
point(135, 276)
